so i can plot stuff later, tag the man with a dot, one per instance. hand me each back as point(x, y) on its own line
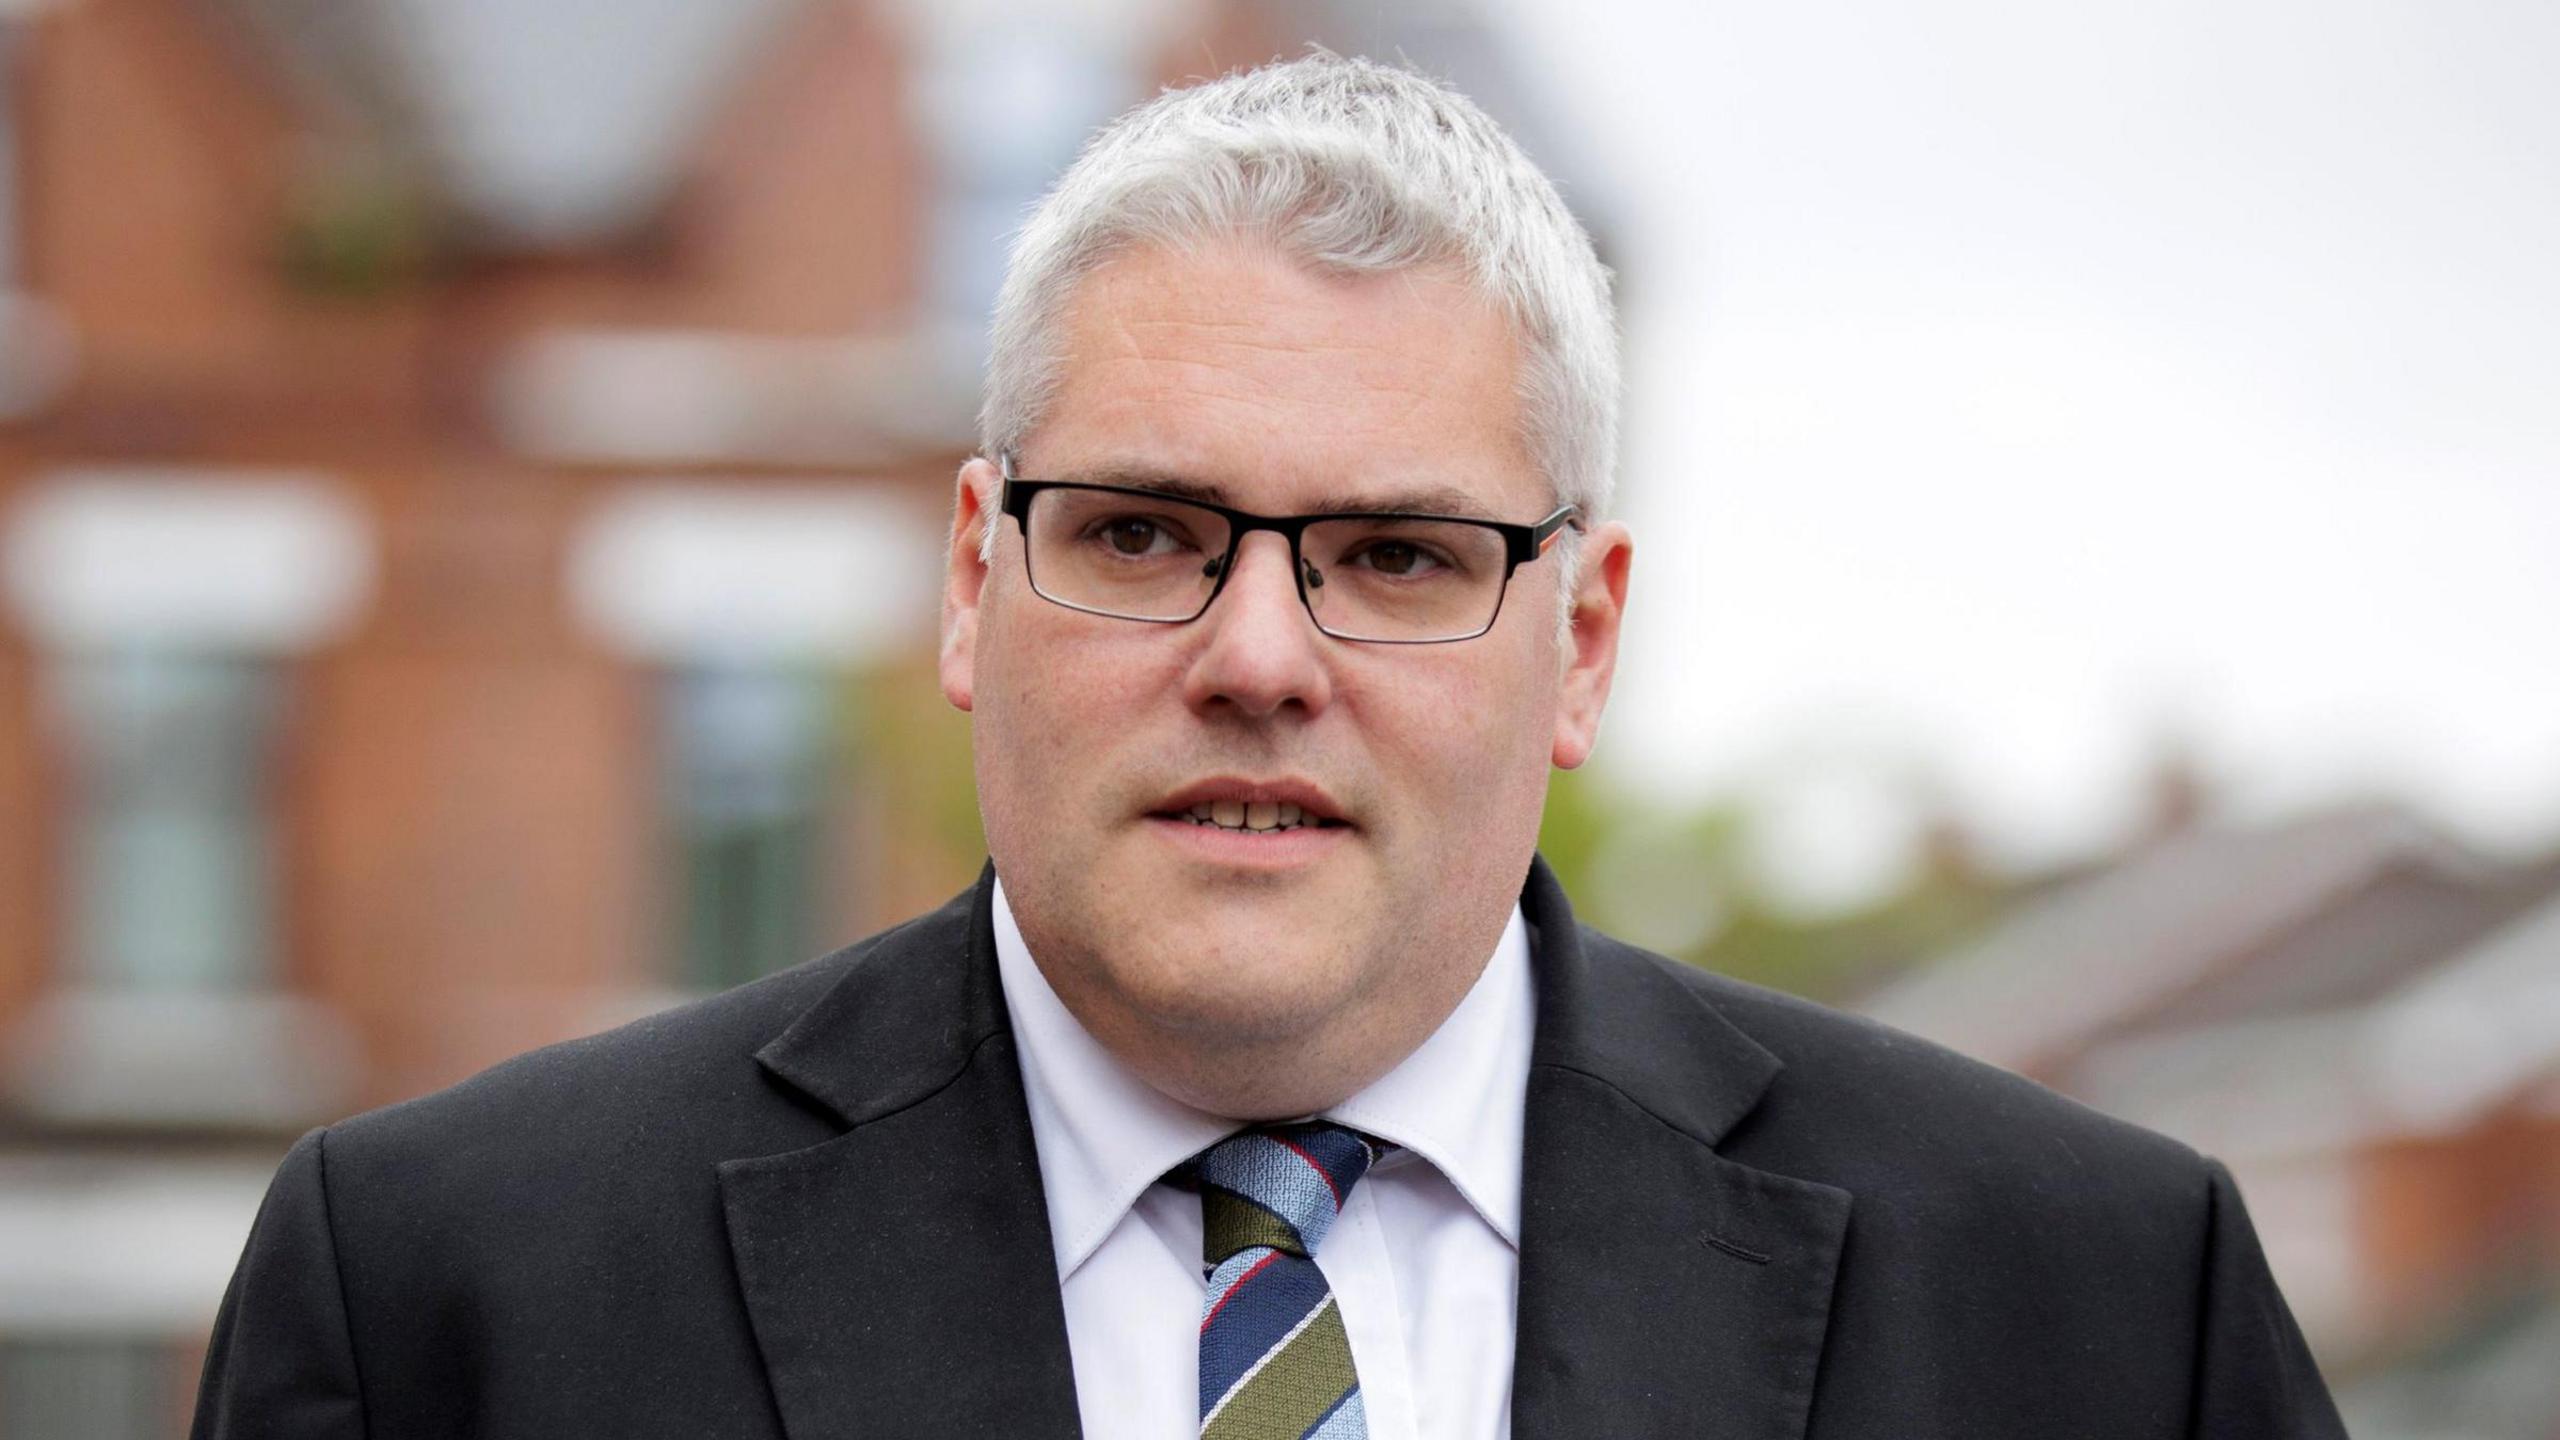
point(1265, 1085)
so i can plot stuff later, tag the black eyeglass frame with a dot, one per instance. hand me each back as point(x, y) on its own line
point(1522, 544)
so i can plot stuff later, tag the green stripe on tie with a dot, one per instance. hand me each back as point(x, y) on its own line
point(1294, 1388)
point(1240, 1224)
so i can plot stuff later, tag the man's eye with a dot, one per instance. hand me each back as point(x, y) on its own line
point(1132, 537)
point(1135, 535)
point(1400, 558)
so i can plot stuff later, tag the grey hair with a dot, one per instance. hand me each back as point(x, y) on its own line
point(1345, 165)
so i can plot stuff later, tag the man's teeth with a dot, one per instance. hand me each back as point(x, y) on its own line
point(1258, 815)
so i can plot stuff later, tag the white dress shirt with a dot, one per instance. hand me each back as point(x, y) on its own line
point(1424, 1261)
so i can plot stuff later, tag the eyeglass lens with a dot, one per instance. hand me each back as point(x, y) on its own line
point(1146, 558)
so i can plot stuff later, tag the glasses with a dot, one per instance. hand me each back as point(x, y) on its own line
point(1382, 577)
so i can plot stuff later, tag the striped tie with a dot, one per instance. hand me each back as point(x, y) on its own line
point(1275, 1363)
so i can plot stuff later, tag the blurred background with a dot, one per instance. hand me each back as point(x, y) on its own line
point(471, 472)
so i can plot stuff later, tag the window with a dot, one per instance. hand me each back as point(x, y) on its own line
point(171, 843)
point(747, 750)
point(165, 603)
point(167, 606)
point(753, 605)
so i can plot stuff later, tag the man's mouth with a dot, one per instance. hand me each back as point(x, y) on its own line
point(1253, 807)
point(1254, 815)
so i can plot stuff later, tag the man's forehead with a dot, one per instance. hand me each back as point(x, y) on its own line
point(1230, 373)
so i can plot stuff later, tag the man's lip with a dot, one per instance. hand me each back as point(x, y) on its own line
point(1287, 790)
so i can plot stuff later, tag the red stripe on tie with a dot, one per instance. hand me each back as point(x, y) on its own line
point(1249, 1272)
point(1312, 1165)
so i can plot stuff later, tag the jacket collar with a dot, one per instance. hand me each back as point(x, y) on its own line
point(898, 1277)
point(1624, 1018)
point(911, 1012)
point(1664, 1289)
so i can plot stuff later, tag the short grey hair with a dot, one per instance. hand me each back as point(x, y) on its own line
point(1344, 164)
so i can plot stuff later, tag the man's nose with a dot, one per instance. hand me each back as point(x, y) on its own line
point(1262, 652)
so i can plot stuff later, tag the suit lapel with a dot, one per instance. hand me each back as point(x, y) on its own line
point(900, 1276)
point(1664, 1290)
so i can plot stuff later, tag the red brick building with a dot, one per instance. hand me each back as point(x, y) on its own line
point(471, 488)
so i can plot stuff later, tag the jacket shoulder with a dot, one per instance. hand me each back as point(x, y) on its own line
point(1879, 1110)
point(683, 1073)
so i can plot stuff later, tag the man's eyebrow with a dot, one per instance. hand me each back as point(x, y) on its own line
point(1426, 499)
point(1411, 500)
point(1160, 482)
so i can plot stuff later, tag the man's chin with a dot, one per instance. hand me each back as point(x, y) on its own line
point(1253, 953)
point(1245, 997)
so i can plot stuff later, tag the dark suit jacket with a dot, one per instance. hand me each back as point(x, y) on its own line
point(810, 1207)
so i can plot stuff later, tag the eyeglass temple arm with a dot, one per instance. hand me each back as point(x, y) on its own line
point(1543, 535)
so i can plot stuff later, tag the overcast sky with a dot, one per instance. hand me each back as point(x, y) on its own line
point(2015, 383)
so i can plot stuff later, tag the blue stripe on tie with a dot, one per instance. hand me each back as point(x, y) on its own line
point(1277, 1178)
point(1228, 1272)
point(1342, 1155)
point(1267, 1307)
point(1347, 1420)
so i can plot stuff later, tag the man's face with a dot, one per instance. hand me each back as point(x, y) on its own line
point(1199, 954)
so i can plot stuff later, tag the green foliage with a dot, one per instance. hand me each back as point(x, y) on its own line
point(1683, 880)
point(1576, 822)
point(356, 235)
point(912, 750)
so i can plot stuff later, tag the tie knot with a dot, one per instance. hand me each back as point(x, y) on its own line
point(1278, 1185)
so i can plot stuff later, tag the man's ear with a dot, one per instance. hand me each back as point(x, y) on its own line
point(964, 581)
point(1591, 657)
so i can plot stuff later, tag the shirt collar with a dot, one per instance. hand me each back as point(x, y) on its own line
point(1103, 1135)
